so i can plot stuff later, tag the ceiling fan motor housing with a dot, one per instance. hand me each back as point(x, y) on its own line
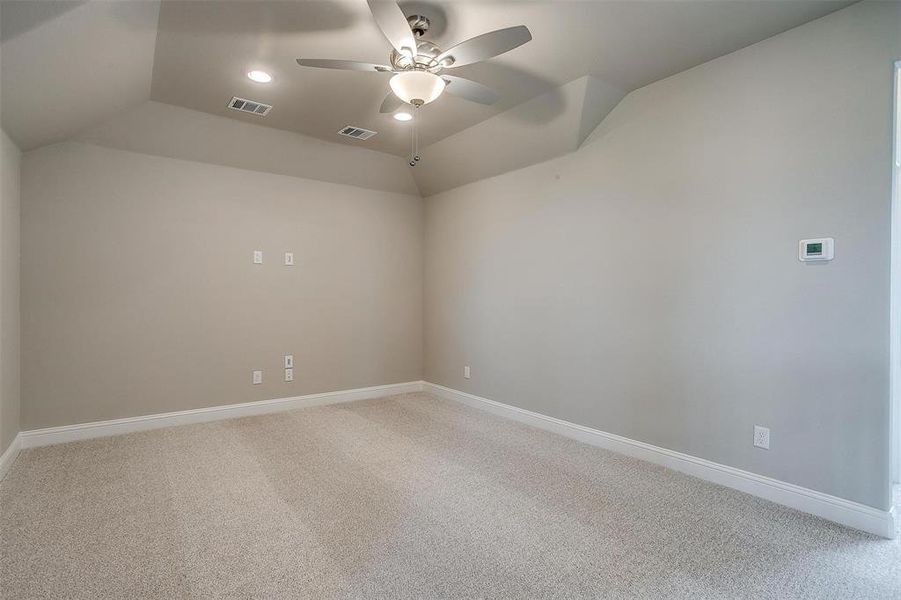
point(425, 60)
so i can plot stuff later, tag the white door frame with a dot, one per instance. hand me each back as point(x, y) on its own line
point(895, 317)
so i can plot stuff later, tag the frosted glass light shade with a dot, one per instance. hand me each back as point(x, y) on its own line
point(416, 86)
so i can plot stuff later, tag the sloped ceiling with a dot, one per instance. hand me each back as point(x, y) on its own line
point(65, 66)
point(542, 128)
point(176, 132)
point(68, 67)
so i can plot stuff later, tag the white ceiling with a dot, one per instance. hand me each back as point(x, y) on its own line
point(68, 64)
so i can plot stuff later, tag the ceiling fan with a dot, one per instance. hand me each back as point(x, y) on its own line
point(418, 65)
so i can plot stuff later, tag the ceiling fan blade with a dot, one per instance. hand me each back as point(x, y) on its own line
point(346, 65)
point(391, 103)
point(486, 45)
point(470, 90)
point(393, 23)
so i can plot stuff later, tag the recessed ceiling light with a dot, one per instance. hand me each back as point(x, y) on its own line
point(403, 116)
point(260, 76)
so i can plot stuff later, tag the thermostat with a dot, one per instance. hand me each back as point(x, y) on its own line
point(816, 250)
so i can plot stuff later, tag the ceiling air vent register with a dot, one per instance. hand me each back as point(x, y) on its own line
point(358, 133)
point(249, 106)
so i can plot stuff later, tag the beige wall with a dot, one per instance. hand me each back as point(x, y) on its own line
point(648, 285)
point(9, 291)
point(139, 294)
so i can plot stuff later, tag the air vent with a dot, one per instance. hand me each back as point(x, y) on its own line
point(249, 106)
point(358, 133)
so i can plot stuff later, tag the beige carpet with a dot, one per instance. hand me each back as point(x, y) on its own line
point(404, 497)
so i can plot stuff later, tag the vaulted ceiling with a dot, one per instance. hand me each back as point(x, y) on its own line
point(204, 50)
point(68, 66)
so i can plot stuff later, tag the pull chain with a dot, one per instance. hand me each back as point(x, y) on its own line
point(413, 139)
point(414, 158)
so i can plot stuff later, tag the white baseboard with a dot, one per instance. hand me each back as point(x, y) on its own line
point(84, 431)
point(9, 455)
point(832, 508)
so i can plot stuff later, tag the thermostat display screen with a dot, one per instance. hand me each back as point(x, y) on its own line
point(818, 249)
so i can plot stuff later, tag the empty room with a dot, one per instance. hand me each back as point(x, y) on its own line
point(438, 299)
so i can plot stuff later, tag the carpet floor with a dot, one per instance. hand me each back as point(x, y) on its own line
point(403, 497)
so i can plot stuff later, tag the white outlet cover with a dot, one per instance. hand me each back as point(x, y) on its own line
point(257, 257)
point(289, 374)
point(289, 361)
point(466, 372)
point(762, 437)
point(257, 377)
point(289, 259)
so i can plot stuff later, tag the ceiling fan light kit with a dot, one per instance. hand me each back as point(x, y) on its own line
point(418, 64)
point(417, 87)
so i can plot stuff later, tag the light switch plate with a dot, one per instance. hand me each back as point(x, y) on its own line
point(257, 377)
point(466, 374)
point(289, 259)
point(289, 361)
point(257, 257)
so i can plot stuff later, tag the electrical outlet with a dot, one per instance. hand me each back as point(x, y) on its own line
point(762, 437)
point(289, 259)
point(257, 377)
point(289, 361)
point(466, 374)
point(257, 257)
point(289, 374)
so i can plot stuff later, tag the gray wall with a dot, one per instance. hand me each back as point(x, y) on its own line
point(9, 291)
point(139, 294)
point(648, 285)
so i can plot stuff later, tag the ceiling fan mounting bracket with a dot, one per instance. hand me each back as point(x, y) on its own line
point(418, 24)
